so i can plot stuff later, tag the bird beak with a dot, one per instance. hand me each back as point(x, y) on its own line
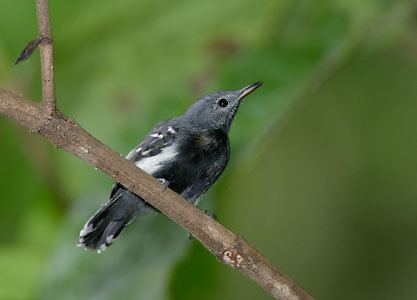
point(249, 89)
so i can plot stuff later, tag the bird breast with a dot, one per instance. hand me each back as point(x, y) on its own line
point(208, 140)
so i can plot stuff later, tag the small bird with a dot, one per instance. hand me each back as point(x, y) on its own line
point(186, 154)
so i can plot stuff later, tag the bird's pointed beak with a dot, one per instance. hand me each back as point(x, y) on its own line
point(249, 89)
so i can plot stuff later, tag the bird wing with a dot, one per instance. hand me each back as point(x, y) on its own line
point(159, 138)
point(151, 152)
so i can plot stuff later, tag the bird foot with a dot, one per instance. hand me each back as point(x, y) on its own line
point(164, 182)
point(211, 214)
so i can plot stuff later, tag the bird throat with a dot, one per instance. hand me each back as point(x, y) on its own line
point(208, 140)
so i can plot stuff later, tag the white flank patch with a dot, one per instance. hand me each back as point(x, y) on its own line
point(152, 164)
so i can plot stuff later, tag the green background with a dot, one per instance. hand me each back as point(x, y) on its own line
point(323, 172)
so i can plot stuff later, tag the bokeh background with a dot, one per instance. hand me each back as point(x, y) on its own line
point(323, 175)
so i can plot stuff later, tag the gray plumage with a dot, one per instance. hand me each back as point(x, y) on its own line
point(187, 154)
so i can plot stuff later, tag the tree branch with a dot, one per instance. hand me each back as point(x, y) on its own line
point(45, 48)
point(66, 134)
point(228, 247)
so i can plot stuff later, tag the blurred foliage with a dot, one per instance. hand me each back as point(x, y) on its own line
point(323, 171)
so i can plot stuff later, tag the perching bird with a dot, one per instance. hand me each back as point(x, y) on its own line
point(187, 154)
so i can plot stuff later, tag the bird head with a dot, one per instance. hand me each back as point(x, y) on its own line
point(217, 110)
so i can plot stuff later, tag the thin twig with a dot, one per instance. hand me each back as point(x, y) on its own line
point(45, 48)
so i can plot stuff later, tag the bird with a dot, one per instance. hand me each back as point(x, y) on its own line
point(186, 154)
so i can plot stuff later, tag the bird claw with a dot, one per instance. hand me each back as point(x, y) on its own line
point(164, 182)
point(211, 214)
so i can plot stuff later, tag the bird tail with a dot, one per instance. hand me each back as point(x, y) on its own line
point(104, 226)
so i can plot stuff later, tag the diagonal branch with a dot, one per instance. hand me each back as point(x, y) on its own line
point(228, 247)
point(45, 48)
point(45, 120)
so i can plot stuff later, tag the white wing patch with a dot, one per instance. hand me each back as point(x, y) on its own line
point(157, 135)
point(133, 153)
point(152, 164)
point(171, 130)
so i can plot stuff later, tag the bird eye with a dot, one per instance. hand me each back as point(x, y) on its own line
point(223, 102)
